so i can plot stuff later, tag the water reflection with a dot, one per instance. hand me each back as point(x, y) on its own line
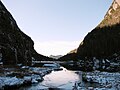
point(61, 79)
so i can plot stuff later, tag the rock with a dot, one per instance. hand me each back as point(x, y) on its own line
point(11, 83)
point(105, 79)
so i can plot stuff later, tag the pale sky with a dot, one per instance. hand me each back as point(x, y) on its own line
point(57, 26)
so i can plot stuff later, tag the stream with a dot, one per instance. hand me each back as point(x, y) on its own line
point(61, 80)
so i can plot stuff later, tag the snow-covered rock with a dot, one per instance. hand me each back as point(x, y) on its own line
point(36, 78)
point(40, 71)
point(25, 67)
point(13, 81)
point(52, 65)
point(8, 82)
point(105, 79)
point(27, 80)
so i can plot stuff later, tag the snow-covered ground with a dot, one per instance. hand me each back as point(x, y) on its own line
point(106, 80)
point(12, 78)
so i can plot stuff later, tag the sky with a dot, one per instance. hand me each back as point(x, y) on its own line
point(57, 26)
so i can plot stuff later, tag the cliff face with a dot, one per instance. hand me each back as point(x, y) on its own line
point(15, 46)
point(112, 16)
point(104, 40)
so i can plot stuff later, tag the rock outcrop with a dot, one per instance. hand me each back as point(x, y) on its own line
point(15, 46)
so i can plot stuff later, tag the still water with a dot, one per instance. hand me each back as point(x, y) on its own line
point(64, 80)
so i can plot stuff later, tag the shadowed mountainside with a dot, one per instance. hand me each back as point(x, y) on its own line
point(104, 40)
point(15, 46)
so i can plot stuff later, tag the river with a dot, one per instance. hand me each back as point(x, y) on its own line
point(64, 79)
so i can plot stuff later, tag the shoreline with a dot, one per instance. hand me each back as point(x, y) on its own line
point(15, 78)
point(12, 78)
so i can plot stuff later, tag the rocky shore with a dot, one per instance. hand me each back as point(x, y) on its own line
point(15, 77)
point(106, 80)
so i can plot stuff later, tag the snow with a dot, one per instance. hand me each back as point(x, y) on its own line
point(32, 79)
point(25, 67)
point(115, 5)
point(12, 81)
point(27, 79)
point(105, 79)
point(34, 76)
point(51, 65)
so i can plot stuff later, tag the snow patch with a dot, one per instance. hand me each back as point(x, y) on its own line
point(12, 81)
point(105, 79)
point(109, 12)
point(115, 5)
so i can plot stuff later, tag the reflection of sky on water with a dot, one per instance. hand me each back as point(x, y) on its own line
point(62, 78)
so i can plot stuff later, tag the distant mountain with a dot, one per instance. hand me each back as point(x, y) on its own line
point(55, 57)
point(15, 46)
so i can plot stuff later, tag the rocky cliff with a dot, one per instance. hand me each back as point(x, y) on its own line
point(15, 46)
point(104, 40)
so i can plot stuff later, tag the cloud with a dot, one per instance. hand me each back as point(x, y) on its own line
point(55, 47)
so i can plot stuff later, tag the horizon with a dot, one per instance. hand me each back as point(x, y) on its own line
point(57, 27)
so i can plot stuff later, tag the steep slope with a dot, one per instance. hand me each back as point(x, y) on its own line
point(73, 51)
point(112, 17)
point(15, 46)
point(104, 40)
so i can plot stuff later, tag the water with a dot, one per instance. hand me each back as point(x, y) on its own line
point(64, 80)
point(61, 79)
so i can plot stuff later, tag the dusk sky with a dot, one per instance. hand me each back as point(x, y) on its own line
point(57, 26)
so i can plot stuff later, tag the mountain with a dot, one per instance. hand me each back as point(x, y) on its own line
point(100, 49)
point(112, 16)
point(15, 46)
point(55, 57)
point(104, 40)
point(73, 51)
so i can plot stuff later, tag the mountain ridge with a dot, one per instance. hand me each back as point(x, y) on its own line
point(111, 15)
point(15, 46)
point(104, 40)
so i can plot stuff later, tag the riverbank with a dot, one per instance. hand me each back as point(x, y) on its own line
point(37, 78)
point(78, 80)
point(106, 80)
point(12, 77)
point(56, 80)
